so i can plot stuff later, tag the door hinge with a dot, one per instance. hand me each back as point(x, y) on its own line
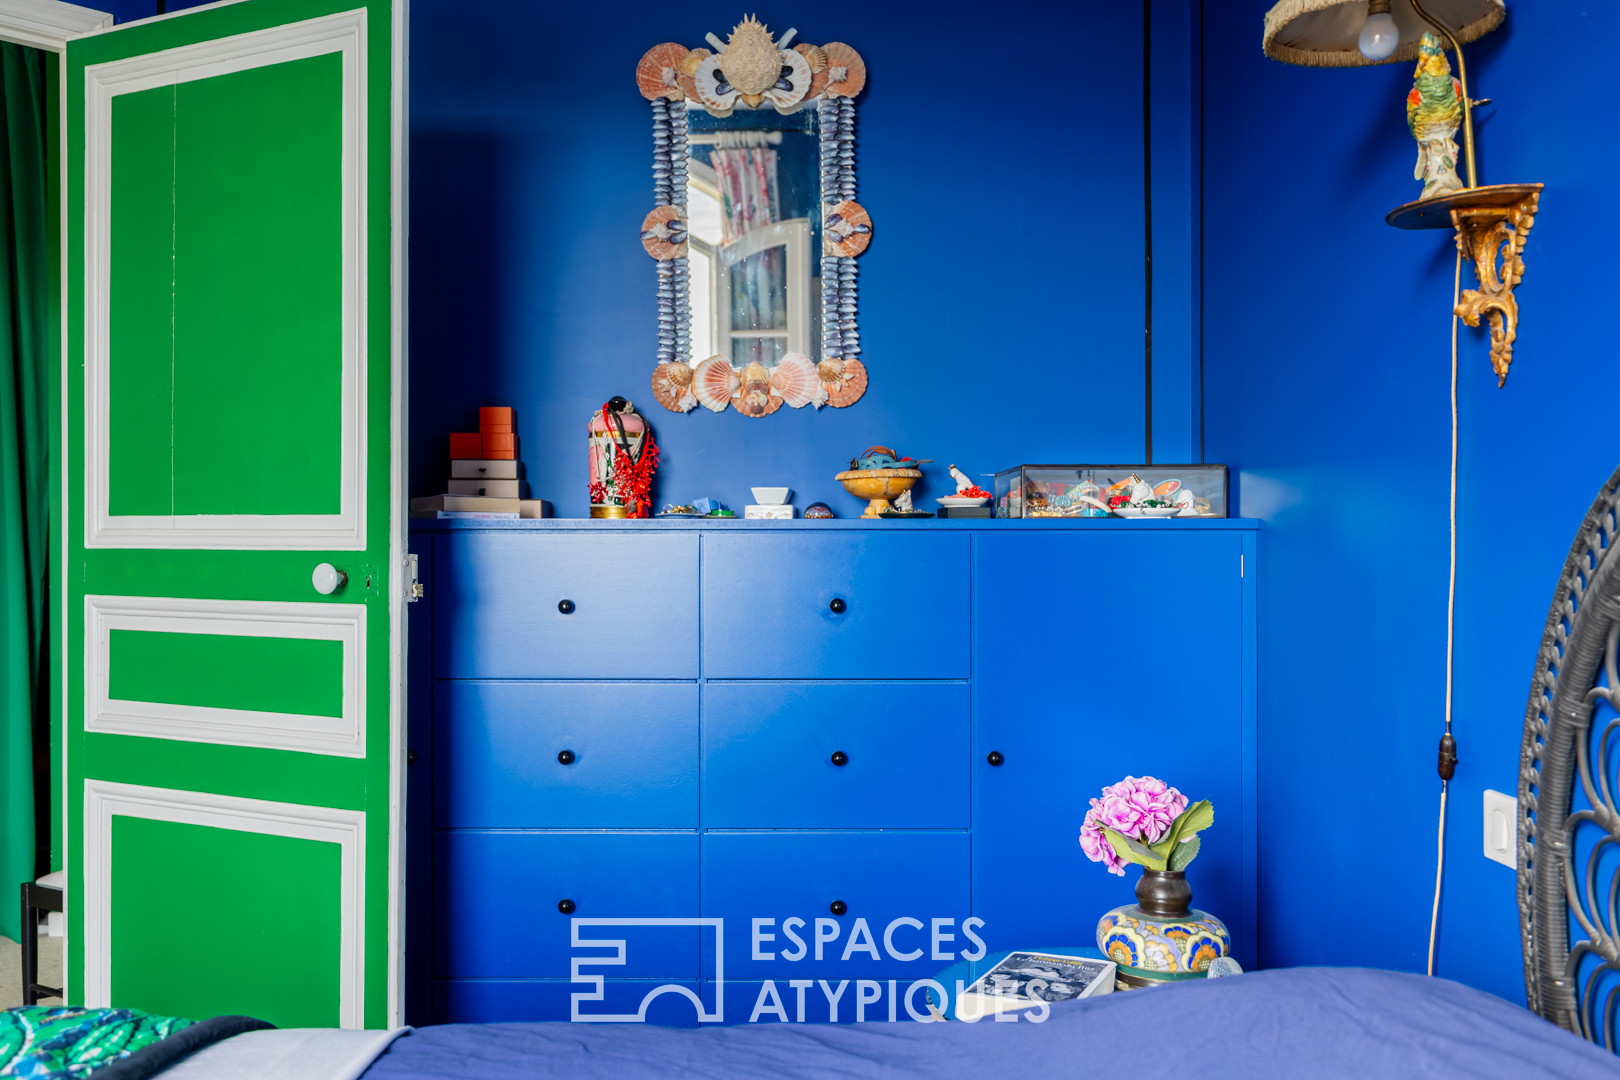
point(414, 589)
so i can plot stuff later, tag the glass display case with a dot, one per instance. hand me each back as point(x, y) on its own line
point(1082, 491)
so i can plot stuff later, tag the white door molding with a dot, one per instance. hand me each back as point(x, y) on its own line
point(47, 24)
point(343, 33)
point(104, 800)
point(343, 736)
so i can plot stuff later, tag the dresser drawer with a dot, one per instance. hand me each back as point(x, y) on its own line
point(633, 749)
point(632, 599)
point(768, 755)
point(769, 600)
point(881, 878)
point(496, 895)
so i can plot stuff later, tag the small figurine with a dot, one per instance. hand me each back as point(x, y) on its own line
point(902, 502)
point(1433, 113)
point(962, 481)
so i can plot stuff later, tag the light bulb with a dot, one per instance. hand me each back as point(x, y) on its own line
point(1379, 37)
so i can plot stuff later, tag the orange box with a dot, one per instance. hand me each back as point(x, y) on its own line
point(500, 446)
point(466, 445)
point(495, 419)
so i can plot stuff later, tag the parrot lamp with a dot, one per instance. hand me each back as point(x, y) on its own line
point(1492, 222)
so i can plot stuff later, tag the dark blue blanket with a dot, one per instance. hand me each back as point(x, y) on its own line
point(1317, 1022)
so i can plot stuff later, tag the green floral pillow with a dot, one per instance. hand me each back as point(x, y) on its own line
point(39, 1043)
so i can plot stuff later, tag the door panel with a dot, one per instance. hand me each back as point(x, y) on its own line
point(768, 606)
point(881, 878)
point(632, 608)
point(1123, 685)
point(633, 748)
point(768, 749)
point(233, 419)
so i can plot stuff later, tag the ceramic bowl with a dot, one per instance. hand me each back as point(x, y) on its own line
point(877, 485)
point(962, 500)
point(771, 496)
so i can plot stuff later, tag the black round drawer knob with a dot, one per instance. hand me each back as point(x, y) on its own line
point(566, 757)
point(837, 907)
point(565, 606)
point(838, 607)
point(994, 757)
point(565, 906)
point(840, 758)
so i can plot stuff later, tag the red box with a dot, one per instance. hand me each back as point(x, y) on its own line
point(495, 420)
point(500, 446)
point(466, 446)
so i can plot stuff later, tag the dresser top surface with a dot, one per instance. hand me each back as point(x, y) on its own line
point(835, 524)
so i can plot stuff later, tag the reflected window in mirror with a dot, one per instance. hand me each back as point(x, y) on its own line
point(753, 197)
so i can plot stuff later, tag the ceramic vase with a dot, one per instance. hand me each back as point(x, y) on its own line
point(1162, 934)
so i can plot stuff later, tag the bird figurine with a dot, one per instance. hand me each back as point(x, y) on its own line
point(1433, 114)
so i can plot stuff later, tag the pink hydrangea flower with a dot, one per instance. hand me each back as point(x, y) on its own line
point(1141, 808)
point(1097, 847)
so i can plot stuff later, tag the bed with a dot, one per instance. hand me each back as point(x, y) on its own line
point(1321, 1022)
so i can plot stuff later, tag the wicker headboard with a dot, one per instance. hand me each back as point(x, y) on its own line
point(1569, 823)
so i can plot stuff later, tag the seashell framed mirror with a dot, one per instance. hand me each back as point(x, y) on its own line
point(754, 226)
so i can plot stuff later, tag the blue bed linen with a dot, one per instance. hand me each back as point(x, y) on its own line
point(1294, 1022)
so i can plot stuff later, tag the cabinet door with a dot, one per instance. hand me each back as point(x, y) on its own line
point(1121, 657)
point(566, 606)
point(771, 754)
point(566, 755)
point(849, 604)
point(771, 887)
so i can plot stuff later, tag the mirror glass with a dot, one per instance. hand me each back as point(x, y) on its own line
point(754, 223)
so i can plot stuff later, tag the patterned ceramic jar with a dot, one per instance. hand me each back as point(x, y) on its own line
point(1162, 932)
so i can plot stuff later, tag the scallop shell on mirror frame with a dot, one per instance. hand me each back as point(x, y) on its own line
point(706, 81)
point(798, 381)
point(658, 70)
point(846, 71)
point(749, 60)
point(798, 79)
point(689, 65)
point(672, 386)
point(663, 233)
point(847, 230)
point(714, 384)
point(844, 381)
point(754, 397)
point(818, 75)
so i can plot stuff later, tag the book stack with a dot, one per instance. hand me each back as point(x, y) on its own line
point(484, 480)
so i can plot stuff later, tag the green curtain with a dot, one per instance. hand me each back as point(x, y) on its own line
point(24, 464)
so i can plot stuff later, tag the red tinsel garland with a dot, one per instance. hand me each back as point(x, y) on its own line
point(632, 480)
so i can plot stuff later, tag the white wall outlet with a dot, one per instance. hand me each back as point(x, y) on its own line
point(1501, 828)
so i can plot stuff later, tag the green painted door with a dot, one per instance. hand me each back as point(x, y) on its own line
point(233, 421)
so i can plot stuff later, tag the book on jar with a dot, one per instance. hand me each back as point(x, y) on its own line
point(1025, 980)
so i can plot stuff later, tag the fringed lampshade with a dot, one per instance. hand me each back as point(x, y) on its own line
point(1323, 33)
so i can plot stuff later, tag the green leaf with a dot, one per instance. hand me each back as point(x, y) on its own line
point(1197, 817)
point(1184, 854)
point(1133, 851)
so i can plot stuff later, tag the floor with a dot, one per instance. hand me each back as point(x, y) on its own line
point(50, 970)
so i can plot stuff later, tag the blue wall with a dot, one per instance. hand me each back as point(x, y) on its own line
point(1002, 300)
point(1326, 350)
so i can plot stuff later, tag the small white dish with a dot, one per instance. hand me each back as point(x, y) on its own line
point(962, 500)
point(771, 496)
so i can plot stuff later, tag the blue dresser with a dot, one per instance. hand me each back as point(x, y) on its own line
point(692, 772)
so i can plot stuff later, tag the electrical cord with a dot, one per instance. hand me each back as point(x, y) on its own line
point(1448, 745)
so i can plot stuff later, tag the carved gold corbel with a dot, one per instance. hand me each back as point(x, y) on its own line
point(1493, 239)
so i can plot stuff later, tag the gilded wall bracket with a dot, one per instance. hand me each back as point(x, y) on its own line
point(1493, 239)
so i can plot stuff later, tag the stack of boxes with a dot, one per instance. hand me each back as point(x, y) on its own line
point(484, 479)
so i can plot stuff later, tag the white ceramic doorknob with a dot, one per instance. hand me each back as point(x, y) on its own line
point(328, 579)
